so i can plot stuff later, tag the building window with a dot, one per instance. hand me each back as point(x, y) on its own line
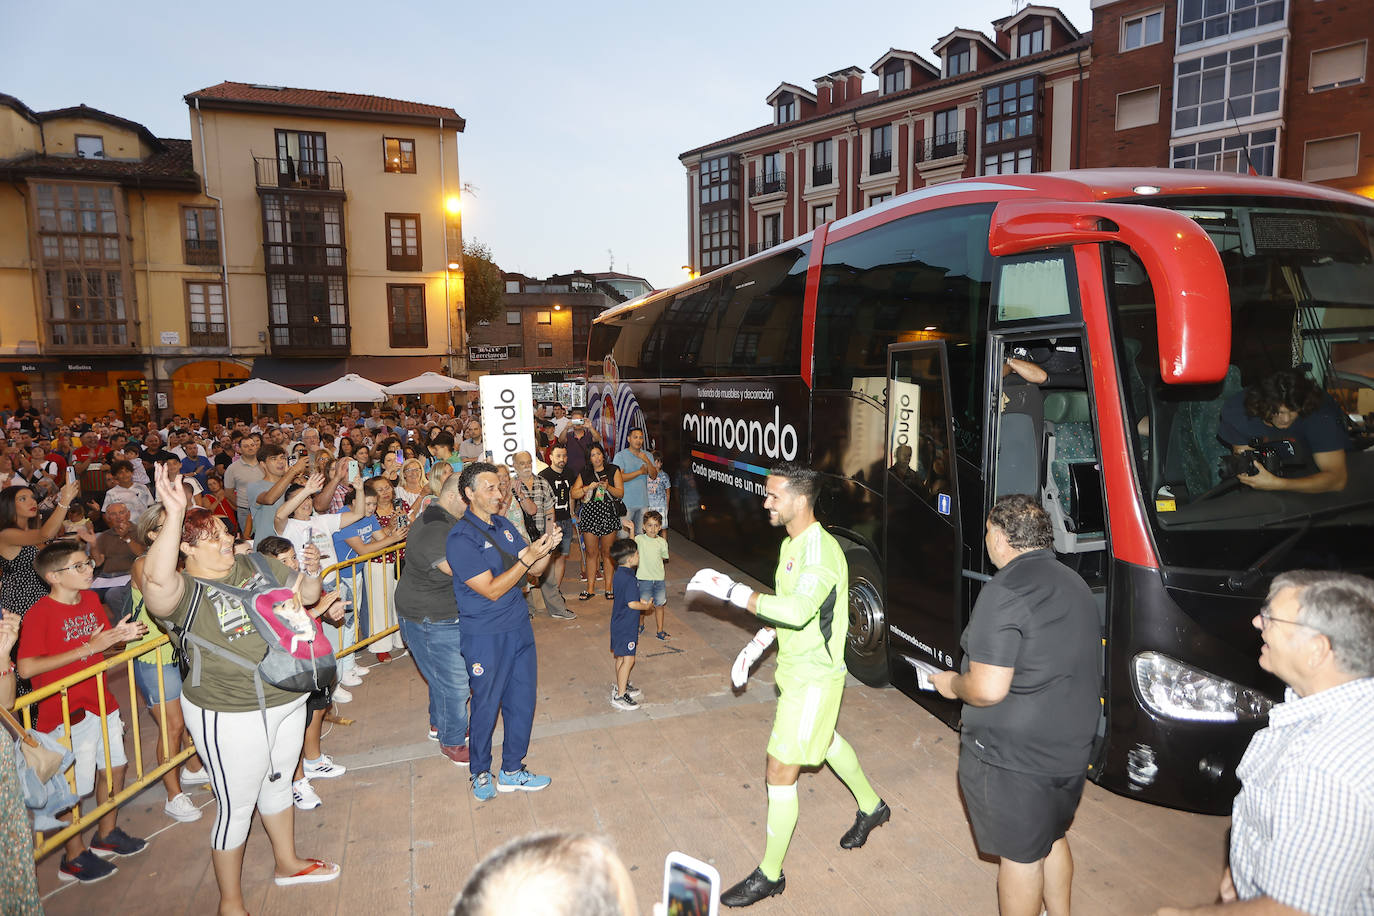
point(398, 154)
point(822, 213)
point(403, 241)
point(205, 315)
point(515, 351)
point(822, 169)
point(880, 150)
point(946, 140)
point(513, 316)
point(772, 167)
point(405, 315)
point(1203, 20)
point(1228, 85)
point(201, 234)
point(746, 348)
point(1140, 31)
point(1138, 108)
point(876, 199)
point(1009, 111)
point(719, 238)
point(89, 147)
point(786, 108)
point(1030, 42)
point(1240, 153)
point(894, 77)
point(772, 229)
point(717, 180)
point(308, 311)
point(958, 62)
point(1332, 157)
point(302, 158)
point(512, 286)
point(1010, 162)
point(1333, 68)
point(302, 231)
point(82, 259)
point(544, 350)
point(544, 316)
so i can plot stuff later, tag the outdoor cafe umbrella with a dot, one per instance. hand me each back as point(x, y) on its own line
point(430, 383)
point(346, 388)
point(256, 391)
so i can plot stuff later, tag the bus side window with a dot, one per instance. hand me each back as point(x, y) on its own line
point(633, 338)
point(762, 323)
point(688, 342)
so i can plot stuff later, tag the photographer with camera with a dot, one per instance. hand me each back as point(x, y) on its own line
point(1291, 432)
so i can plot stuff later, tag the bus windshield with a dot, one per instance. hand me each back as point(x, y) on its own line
point(1283, 443)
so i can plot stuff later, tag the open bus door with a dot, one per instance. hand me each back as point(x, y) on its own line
point(923, 542)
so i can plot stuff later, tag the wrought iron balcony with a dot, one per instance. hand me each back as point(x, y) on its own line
point(770, 183)
point(880, 163)
point(942, 146)
point(305, 175)
point(202, 251)
point(209, 334)
point(821, 175)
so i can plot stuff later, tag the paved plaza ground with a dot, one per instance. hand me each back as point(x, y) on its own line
point(684, 772)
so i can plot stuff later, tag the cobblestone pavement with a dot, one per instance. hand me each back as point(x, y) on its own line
point(683, 772)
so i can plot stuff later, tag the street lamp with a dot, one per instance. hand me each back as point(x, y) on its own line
point(453, 204)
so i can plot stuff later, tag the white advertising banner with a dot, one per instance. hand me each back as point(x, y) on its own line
point(507, 416)
point(903, 423)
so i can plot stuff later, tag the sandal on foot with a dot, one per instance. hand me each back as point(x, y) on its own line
point(585, 596)
point(610, 596)
point(317, 872)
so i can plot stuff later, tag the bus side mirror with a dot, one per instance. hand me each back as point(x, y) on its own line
point(1192, 299)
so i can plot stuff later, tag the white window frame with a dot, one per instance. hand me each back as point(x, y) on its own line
point(1228, 114)
point(1158, 91)
point(1364, 70)
point(1355, 163)
point(512, 313)
point(1144, 32)
point(543, 316)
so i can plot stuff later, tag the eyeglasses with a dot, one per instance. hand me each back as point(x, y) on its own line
point(84, 564)
point(1267, 618)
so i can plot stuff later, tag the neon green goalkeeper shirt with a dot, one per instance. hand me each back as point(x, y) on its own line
point(810, 610)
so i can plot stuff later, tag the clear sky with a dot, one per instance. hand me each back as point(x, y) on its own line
point(576, 112)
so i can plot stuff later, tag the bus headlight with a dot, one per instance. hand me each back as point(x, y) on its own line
point(1171, 689)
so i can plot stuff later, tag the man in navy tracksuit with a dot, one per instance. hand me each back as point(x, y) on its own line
point(489, 559)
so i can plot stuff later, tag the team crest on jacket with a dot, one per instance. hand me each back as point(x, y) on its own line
point(478, 670)
point(510, 537)
point(789, 566)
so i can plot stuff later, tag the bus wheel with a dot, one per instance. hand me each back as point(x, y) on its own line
point(865, 649)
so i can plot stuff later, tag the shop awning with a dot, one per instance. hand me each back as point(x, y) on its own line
point(311, 373)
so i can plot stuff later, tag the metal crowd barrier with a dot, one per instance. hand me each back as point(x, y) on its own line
point(378, 585)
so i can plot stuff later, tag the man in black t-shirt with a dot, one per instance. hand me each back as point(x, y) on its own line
point(560, 481)
point(1030, 684)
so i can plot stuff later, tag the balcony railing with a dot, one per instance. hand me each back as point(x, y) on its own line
point(309, 337)
point(770, 183)
point(880, 163)
point(306, 175)
point(822, 174)
point(942, 146)
point(209, 334)
point(202, 251)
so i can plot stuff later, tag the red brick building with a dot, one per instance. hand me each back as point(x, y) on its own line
point(985, 105)
point(1278, 87)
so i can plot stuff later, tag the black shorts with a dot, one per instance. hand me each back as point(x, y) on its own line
point(318, 699)
point(1017, 816)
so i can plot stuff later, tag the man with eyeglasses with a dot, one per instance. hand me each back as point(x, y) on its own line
point(472, 447)
point(1302, 827)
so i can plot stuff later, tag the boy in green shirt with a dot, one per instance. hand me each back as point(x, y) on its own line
point(653, 551)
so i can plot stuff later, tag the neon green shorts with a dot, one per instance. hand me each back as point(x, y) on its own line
point(804, 724)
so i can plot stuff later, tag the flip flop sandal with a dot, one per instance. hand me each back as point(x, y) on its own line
point(610, 596)
point(585, 596)
point(317, 872)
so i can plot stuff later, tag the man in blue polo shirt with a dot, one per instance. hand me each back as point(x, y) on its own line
point(489, 560)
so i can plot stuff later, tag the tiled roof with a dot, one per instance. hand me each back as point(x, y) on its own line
point(873, 98)
point(287, 97)
point(169, 167)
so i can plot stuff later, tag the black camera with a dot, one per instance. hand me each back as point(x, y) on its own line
point(1278, 458)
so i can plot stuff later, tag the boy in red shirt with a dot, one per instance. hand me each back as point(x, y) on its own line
point(63, 633)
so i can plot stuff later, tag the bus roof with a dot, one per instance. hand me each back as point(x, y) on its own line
point(1079, 185)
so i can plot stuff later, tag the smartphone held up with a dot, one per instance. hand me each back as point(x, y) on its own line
point(690, 886)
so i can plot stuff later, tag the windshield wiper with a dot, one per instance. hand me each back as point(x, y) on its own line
point(1248, 578)
point(1328, 512)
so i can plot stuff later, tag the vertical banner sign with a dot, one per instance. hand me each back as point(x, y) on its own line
point(903, 423)
point(507, 416)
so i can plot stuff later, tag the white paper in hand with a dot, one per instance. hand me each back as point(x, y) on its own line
point(923, 673)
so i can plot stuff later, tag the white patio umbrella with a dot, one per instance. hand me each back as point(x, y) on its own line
point(256, 391)
point(346, 388)
point(430, 383)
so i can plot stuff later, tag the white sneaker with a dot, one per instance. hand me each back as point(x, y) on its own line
point(349, 679)
point(325, 767)
point(198, 778)
point(181, 808)
point(360, 670)
point(342, 696)
point(304, 795)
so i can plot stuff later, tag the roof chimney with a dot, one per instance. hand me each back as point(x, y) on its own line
point(825, 95)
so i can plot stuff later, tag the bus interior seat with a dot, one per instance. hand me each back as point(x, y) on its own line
point(1193, 436)
point(1073, 484)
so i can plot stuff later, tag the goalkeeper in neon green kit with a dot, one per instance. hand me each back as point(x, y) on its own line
point(809, 615)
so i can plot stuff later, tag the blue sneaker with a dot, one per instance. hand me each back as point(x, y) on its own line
point(117, 843)
point(521, 780)
point(483, 789)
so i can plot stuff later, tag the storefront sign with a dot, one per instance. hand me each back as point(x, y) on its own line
point(489, 351)
point(507, 416)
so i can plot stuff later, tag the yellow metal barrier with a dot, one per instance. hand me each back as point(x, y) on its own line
point(381, 586)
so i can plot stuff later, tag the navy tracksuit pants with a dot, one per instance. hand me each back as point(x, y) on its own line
point(503, 675)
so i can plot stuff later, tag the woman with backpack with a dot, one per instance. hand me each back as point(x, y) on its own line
point(249, 749)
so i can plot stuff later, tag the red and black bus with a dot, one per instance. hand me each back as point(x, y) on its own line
point(875, 348)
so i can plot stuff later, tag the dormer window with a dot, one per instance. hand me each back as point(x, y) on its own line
point(786, 108)
point(88, 147)
point(1030, 42)
point(894, 77)
point(958, 62)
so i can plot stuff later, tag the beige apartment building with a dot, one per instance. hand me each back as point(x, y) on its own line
point(298, 235)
